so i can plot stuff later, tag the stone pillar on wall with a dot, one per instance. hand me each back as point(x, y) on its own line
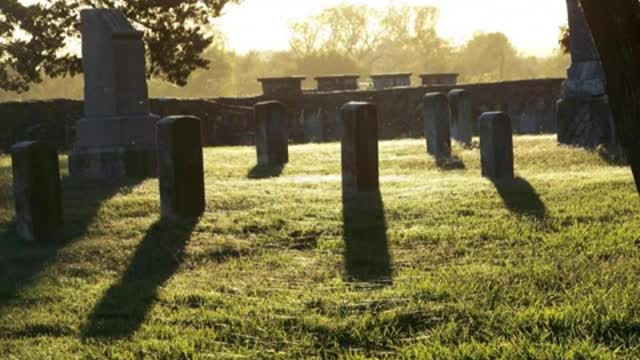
point(337, 82)
point(116, 137)
point(583, 114)
point(279, 87)
point(388, 81)
point(447, 79)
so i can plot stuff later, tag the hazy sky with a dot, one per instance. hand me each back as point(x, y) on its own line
point(532, 25)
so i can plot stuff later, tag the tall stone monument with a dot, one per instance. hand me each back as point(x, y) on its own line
point(116, 138)
point(583, 113)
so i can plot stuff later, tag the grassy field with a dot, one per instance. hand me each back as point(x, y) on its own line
point(441, 264)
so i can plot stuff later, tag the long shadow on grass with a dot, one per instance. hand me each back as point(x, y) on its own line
point(521, 198)
point(123, 308)
point(265, 171)
point(367, 255)
point(22, 262)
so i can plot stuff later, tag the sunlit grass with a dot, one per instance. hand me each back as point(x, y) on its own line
point(545, 267)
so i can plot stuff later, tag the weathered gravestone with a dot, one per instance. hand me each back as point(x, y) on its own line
point(117, 136)
point(496, 145)
point(461, 116)
point(359, 122)
point(272, 134)
point(436, 116)
point(180, 167)
point(37, 191)
point(313, 121)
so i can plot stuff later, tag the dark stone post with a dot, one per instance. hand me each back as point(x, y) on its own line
point(359, 122)
point(436, 116)
point(37, 191)
point(496, 145)
point(461, 116)
point(272, 137)
point(182, 193)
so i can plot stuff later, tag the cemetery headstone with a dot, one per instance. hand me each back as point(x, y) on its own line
point(272, 134)
point(359, 122)
point(180, 167)
point(436, 116)
point(461, 116)
point(37, 191)
point(496, 145)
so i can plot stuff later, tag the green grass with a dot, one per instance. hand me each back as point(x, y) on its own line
point(546, 267)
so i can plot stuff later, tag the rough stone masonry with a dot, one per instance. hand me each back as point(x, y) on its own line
point(359, 121)
point(37, 191)
point(116, 138)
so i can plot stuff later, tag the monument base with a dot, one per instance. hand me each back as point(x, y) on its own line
point(114, 162)
point(587, 121)
point(117, 130)
point(584, 79)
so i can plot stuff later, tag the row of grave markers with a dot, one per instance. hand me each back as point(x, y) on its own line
point(36, 174)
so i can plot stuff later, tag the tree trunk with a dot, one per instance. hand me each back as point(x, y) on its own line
point(615, 25)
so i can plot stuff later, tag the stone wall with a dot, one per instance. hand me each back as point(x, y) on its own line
point(312, 115)
point(51, 120)
point(54, 121)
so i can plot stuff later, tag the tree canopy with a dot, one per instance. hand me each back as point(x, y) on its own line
point(35, 39)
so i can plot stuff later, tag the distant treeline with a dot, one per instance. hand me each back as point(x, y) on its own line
point(344, 40)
